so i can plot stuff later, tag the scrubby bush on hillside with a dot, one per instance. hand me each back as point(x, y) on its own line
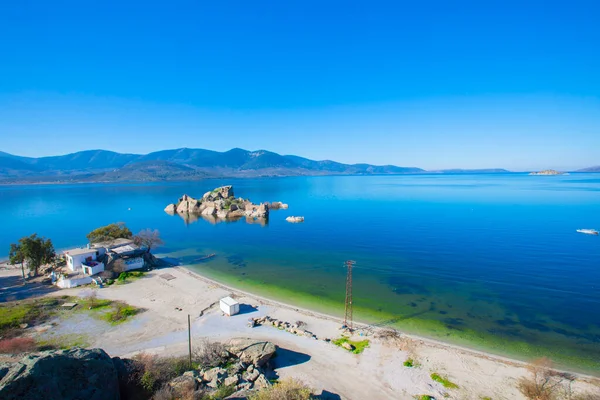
point(210, 354)
point(546, 383)
point(288, 389)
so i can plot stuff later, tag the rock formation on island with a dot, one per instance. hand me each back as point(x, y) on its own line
point(547, 172)
point(218, 204)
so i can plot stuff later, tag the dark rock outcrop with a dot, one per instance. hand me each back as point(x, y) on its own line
point(61, 375)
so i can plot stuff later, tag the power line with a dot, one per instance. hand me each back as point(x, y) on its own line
point(348, 305)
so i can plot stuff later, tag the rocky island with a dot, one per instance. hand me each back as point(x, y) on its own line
point(547, 172)
point(218, 204)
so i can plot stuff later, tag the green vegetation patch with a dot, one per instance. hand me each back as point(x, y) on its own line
point(409, 363)
point(359, 347)
point(223, 392)
point(444, 381)
point(119, 313)
point(30, 312)
point(64, 342)
point(424, 397)
point(129, 276)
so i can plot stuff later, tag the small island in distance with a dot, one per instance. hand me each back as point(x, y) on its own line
point(548, 172)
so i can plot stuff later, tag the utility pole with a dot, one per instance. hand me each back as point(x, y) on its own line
point(190, 339)
point(348, 305)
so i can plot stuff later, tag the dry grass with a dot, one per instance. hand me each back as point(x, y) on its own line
point(210, 354)
point(156, 371)
point(286, 389)
point(17, 345)
point(545, 383)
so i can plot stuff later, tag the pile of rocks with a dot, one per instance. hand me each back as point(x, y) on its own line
point(247, 357)
point(219, 203)
point(282, 325)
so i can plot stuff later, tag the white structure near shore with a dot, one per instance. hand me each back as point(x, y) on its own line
point(83, 260)
point(229, 306)
point(83, 263)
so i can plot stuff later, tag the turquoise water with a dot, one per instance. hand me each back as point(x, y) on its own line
point(489, 259)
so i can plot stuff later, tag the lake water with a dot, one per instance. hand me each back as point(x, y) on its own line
point(489, 260)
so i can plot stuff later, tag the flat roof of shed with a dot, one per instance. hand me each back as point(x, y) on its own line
point(80, 251)
point(229, 301)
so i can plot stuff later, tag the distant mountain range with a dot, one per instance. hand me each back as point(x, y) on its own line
point(590, 169)
point(185, 164)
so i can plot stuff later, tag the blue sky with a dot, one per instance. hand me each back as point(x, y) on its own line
point(433, 84)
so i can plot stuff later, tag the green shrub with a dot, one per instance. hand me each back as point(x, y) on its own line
point(409, 363)
point(223, 392)
point(444, 381)
point(288, 389)
point(120, 313)
point(424, 397)
point(359, 347)
point(128, 276)
point(148, 380)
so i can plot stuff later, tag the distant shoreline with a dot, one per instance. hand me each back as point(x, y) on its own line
point(142, 182)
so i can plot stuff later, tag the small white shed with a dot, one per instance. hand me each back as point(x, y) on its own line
point(229, 306)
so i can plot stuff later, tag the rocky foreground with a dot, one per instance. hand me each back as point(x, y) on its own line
point(92, 374)
point(219, 203)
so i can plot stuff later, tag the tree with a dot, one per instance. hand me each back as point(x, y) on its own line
point(109, 232)
point(16, 256)
point(34, 250)
point(148, 238)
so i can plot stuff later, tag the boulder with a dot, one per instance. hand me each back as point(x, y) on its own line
point(251, 351)
point(251, 376)
point(243, 394)
point(171, 209)
point(261, 382)
point(214, 374)
point(187, 204)
point(231, 380)
point(236, 368)
point(236, 214)
point(222, 214)
point(183, 384)
point(347, 346)
point(209, 211)
point(65, 374)
point(294, 219)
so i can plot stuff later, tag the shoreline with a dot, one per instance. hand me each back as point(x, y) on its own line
point(359, 325)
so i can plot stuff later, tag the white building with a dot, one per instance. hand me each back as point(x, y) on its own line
point(84, 261)
point(229, 306)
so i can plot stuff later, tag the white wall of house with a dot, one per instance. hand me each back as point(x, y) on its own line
point(133, 263)
point(74, 261)
point(66, 283)
point(93, 270)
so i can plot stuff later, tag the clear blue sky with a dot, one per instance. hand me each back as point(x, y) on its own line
point(434, 84)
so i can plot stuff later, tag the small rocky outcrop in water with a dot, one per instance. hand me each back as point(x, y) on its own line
point(547, 172)
point(218, 204)
point(63, 374)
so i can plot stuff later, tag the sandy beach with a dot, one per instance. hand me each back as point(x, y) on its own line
point(377, 373)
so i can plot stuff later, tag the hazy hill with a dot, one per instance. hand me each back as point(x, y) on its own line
point(176, 164)
point(183, 164)
point(590, 169)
